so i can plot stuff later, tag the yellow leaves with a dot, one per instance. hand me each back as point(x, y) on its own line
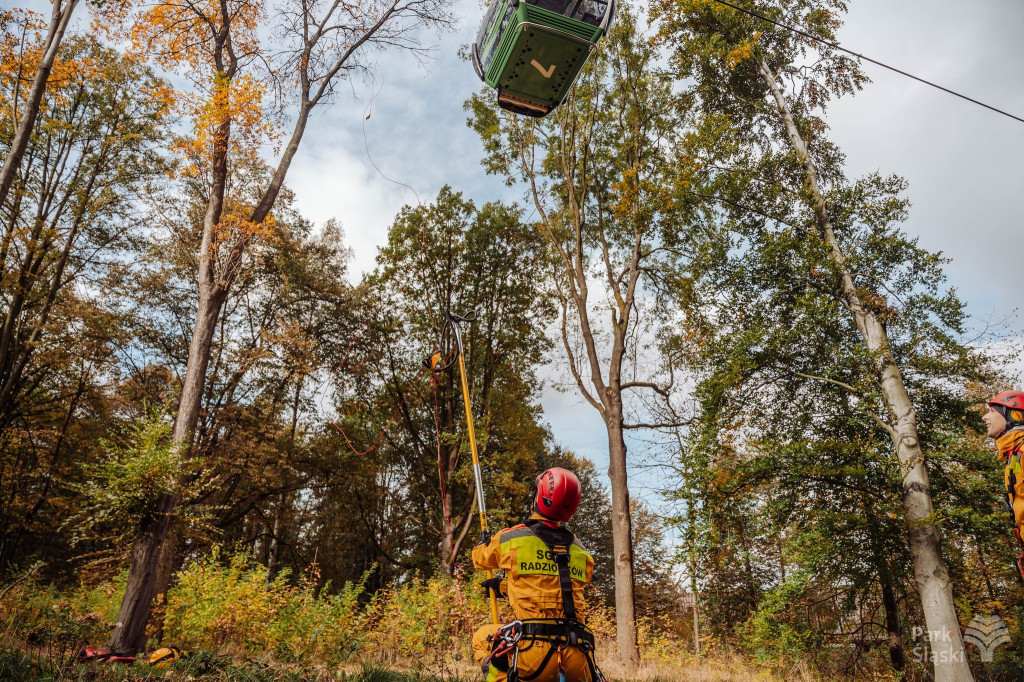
point(201, 38)
point(181, 34)
point(22, 34)
point(230, 112)
point(236, 230)
point(740, 54)
point(163, 94)
point(627, 194)
point(638, 199)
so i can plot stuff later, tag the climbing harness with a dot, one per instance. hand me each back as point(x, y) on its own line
point(558, 633)
point(504, 641)
point(439, 362)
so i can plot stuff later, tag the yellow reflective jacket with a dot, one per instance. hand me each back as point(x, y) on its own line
point(1011, 447)
point(532, 582)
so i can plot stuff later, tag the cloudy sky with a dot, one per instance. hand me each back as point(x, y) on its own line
point(964, 163)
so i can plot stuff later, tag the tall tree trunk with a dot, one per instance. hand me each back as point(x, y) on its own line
point(167, 566)
point(274, 552)
point(622, 541)
point(696, 606)
point(59, 19)
point(897, 656)
point(924, 539)
point(608, 400)
point(129, 633)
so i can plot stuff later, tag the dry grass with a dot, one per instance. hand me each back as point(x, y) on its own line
point(720, 667)
point(716, 666)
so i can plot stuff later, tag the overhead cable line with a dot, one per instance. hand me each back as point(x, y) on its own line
point(867, 59)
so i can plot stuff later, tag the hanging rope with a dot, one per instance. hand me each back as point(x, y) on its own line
point(463, 609)
point(332, 380)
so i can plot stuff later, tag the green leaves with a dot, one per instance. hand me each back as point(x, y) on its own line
point(123, 485)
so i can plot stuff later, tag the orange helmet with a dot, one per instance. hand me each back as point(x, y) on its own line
point(1010, 404)
point(558, 494)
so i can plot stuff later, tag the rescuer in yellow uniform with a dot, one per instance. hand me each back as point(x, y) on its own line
point(1005, 422)
point(546, 569)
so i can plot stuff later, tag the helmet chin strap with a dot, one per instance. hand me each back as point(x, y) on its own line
point(1011, 424)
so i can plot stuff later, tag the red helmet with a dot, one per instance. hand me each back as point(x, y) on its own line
point(558, 494)
point(1013, 400)
point(1010, 404)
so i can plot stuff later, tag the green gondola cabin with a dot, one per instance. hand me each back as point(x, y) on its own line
point(531, 51)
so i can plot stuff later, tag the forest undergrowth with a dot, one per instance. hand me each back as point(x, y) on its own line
point(237, 625)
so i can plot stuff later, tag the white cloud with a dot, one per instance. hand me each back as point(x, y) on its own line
point(963, 162)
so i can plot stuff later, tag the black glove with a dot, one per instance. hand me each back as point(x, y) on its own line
point(492, 585)
point(485, 537)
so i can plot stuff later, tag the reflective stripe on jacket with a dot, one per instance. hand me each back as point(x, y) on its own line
point(1011, 448)
point(532, 575)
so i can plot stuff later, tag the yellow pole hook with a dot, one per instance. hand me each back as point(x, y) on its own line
point(433, 362)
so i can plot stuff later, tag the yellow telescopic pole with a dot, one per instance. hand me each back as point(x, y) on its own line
point(476, 474)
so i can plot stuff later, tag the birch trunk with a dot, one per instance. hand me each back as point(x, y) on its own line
point(60, 17)
point(924, 539)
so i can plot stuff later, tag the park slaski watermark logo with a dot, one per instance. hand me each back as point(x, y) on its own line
point(987, 633)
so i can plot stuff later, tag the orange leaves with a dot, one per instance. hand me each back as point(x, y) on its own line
point(208, 41)
point(22, 34)
point(163, 94)
point(742, 52)
point(627, 194)
point(20, 30)
point(232, 112)
point(183, 34)
point(737, 56)
point(235, 229)
point(639, 199)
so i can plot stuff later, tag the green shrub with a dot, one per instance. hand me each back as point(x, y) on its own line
point(18, 666)
point(242, 628)
point(426, 623)
point(47, 630)
point(772, 631)
point(215, 605)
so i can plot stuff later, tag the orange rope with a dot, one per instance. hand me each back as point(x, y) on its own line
point(440, 477)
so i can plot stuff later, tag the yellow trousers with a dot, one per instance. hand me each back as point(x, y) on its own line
point(531, 660)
